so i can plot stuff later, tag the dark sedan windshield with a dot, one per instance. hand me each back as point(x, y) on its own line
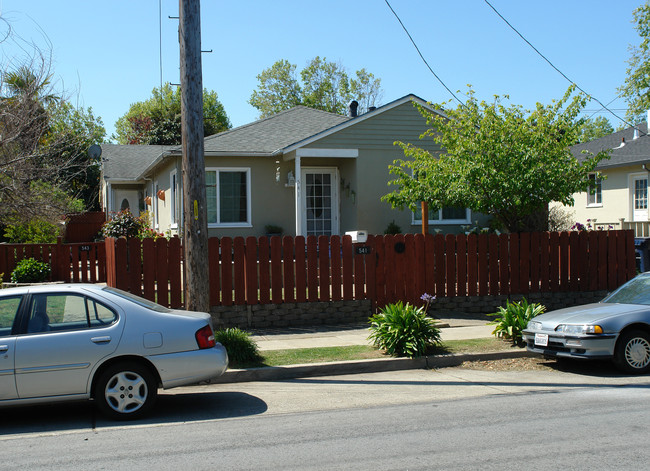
point(635, 291)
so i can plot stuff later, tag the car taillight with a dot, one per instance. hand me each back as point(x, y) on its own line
point(205, 337)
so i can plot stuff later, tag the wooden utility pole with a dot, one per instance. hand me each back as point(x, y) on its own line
point(195, 225)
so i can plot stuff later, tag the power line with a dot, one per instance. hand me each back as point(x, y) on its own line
point(553, 65)
point(421, 56)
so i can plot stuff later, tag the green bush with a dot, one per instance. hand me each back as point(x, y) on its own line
point(33, 232)
point(392, 228)
point(403, 330)
point(240, 347)
point(513, 319)
point(29, 270)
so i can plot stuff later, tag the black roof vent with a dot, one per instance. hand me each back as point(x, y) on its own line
point(352, 109)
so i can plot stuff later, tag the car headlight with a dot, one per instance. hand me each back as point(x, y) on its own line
point(534, 325)
point(579, 329)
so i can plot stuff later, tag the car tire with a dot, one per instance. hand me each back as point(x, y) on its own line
point(126, 391)
point(632, 353)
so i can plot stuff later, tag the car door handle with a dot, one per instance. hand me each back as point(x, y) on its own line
point(4, 348)
point(105, 339)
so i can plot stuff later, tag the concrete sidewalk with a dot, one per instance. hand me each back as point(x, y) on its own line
point(452, 328)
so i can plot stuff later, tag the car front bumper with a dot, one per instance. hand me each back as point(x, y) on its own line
point(571, 346)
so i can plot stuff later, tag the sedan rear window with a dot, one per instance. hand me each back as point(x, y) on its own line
point(635, 291)
point(137, 299)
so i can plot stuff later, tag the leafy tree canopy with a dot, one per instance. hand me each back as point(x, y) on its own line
point(636, 89)
point(323, 85)
point(501, 161)
point(157, 120)
point(590, 129)
point(45, 170)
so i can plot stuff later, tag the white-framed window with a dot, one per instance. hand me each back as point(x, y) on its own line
point(444, 216)
point(228, 192)
point(595, 193)
point(175, 206)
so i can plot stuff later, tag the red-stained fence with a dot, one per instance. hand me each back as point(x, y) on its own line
point(83, 262)
point(384, 269)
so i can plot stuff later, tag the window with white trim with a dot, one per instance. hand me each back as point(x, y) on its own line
point(595, 192)
point(228, 192)
point(448, 215)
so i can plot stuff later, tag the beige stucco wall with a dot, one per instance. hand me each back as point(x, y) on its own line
point(617, 196)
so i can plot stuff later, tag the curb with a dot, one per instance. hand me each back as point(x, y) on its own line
point(275, 373)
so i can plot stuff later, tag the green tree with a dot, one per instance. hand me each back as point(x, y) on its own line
point(590, 129)
point(278, 89)
point(157, 120)
point(72, 131)
point(323, 85)
point(501, 161)
point(44, 167)
point(637, 82)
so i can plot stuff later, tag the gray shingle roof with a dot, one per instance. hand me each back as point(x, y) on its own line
point(635, 151)
point(274, 133)
point(127, 162)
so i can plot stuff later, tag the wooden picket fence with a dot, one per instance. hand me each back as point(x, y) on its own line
point(384, 269)
point(81, 262)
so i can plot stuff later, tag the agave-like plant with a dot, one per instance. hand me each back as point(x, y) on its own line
point(403, 330)
point(513, 319)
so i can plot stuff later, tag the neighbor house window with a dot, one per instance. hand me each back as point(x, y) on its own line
point(595, 193)
point(444, 216)
point(228, 196)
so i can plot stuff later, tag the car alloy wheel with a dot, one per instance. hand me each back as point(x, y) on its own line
point(126, 391)
point(633, 352)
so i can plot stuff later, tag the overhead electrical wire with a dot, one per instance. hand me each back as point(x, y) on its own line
point(421, 56)
point(605, 107)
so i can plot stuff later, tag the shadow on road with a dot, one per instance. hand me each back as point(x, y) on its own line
point(169, 408)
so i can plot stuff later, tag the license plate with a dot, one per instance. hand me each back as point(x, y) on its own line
point(541, 340)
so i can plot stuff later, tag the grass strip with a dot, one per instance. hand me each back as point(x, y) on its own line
point(362, 352)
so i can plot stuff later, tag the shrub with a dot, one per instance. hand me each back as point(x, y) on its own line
point(123, 224)
point(32, 232)
point(240, 347)
point(403, 330)
point(513, 319)
point(392, 228)
point(29, 270)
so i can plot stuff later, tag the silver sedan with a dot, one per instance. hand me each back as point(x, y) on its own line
point(618, 328)
point(79, 341)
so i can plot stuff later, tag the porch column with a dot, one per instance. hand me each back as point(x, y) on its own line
point(298, 194)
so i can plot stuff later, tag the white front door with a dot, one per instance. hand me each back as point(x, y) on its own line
point(640, 198)
point(320, 201)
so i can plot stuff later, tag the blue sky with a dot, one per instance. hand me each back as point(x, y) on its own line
point(106, 54)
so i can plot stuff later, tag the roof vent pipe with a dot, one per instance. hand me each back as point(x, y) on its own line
point(352, 109)
point(636, 133)
point(371, 108)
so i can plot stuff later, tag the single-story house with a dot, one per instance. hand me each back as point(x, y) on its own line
point(306, 171)
point(623, 192)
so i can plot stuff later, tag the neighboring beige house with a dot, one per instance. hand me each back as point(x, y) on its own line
point(307, 171)
point(623, 193)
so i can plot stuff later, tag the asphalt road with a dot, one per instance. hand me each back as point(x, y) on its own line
point(450, 418)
